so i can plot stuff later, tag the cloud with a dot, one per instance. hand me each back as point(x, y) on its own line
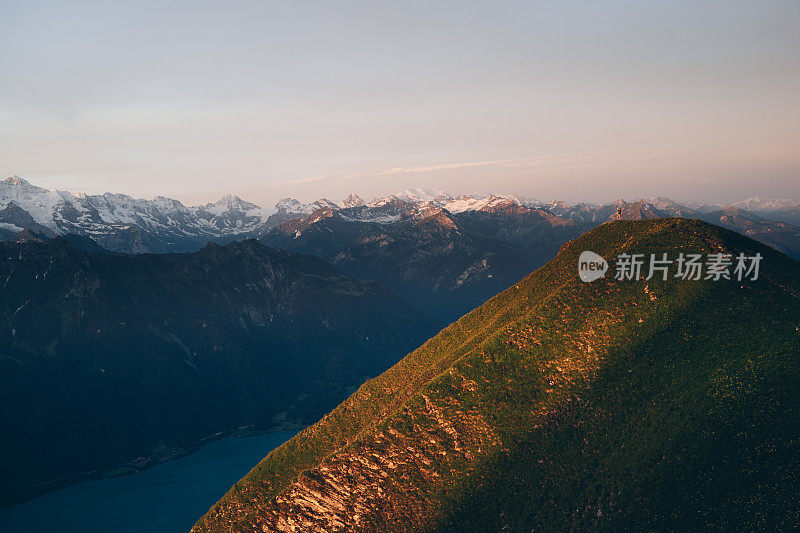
point(559, 160)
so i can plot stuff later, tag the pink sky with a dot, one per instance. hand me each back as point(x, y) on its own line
point(574, 101)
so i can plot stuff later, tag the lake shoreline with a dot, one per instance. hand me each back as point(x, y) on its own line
point(167, 497)
point(141, 463)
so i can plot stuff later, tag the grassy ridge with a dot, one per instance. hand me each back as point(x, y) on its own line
point(619, 405)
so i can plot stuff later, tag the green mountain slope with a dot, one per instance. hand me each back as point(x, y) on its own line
point(561, 405)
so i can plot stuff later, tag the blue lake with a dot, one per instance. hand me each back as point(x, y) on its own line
point(166, 498)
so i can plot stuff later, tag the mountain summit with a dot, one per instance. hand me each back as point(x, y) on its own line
point(353, 200)
point(562, 405)
point(16, 181)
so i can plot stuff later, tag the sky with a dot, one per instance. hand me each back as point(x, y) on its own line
point(578, 101)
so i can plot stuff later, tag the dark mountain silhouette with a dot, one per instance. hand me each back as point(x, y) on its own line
point(443, 263)
point(106, 358)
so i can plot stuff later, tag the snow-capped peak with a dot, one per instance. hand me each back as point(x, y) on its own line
point(353, 200)
point(287, 204)
point(324, 203)
point(756, 203)
point(417, 196)
point(103, 215)
point(468, 203)
point(20, 184)
point(439, 198)
point(230, 202)
point(291, 205)
point(523, 200)
point(436, 197)
point(15, 180)
point(164, 203)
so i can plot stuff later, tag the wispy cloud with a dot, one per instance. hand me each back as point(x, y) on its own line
point(549, 161)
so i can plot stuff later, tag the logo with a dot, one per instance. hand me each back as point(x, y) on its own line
point(591, 266)
point(715, 267)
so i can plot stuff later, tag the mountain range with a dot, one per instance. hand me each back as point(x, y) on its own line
point(443, 262)
point(443, 254)
point(112, 361)
point(447, 256)
point(559, 405)
point(121, 223)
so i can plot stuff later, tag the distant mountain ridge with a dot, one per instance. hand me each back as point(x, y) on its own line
point(443, 262)
point(444, 254)
point(122, 223)
point(119, 222)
